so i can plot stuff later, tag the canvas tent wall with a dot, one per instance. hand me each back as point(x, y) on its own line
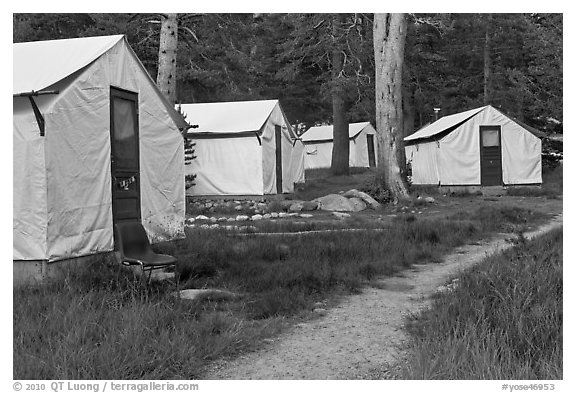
point(243, 148)
point(319, 141)
point(64, 143)
point(479, 147)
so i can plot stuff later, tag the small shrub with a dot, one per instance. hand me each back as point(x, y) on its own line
point(376, 189)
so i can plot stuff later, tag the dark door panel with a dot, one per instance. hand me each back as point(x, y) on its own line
point(371, 155)
point(124, 138)
point(490, 155)
point(278, 137)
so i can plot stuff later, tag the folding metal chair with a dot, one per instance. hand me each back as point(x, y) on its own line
point(135, 249)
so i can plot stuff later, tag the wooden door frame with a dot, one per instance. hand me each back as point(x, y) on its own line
point(278, 155)
point(490, 127)
point(116, 92)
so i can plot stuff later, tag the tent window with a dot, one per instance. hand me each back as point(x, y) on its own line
point(125, 138)
point(490, 138)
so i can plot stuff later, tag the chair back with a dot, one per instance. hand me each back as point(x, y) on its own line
point(132, 239)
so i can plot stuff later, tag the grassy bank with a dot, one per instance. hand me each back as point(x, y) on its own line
point(102, 324)
point(503, 321)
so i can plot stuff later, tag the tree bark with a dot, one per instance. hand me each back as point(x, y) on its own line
point(341, 146)
point(166, 79)
point(389, 42)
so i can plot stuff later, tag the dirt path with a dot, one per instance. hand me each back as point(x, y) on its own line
point(361, 336)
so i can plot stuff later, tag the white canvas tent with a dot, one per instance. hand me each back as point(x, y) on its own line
point(319, 141)
point(243, 148)
point(95, 143)
point(479, 147)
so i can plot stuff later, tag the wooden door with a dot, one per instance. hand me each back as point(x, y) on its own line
point(278, 137)
point(371, 155)
point(490, 156)
point(124, 139)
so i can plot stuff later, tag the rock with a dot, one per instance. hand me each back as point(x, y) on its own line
point(190, 220)
point(205, 226)
point(320, 311)
point(238, 208)
point(341, 215)
point(353, 193)
point(429, 200)
point(206, 294)
point(296, 206)
point(293, 214)
point(214, 226)
point(358, 204)
point(274, 215)
point(213, 219)
point(256, 217)
point(267, 216)
point(335, 202)
point(222, 219)
point(261, 206)
point(283, 215)
point(242, 218)
point(231, 219)
point(308, 206)
point(304, 215)
point(201, 217)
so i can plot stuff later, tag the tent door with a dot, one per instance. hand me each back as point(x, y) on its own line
point(490, 156)
point(125, 158)
point(371, 155)
point(278, 137)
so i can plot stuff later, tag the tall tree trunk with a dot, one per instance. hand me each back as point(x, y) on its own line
point(488, 61)
point(341, 146)
point(166, 79)
point(389, 41)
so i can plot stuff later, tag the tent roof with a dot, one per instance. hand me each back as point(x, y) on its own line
point(443, 124)
point(447, 122)
point(40, 64)
point(228, 117)
point(325, 133)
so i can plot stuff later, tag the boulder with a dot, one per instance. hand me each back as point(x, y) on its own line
point(274, 215)
point(296, 206)
point(206, 294)
point(267, 216)
point(238, 208)
point(353, 193)
point(256, 217)
point(429, 199)
point(308, 206)
point(341, 215)
point(242, 218)
point(283, 215)
point(304, 215)
point(335, 202)
point(358, 204)
point(213, 219)
point(201, 217)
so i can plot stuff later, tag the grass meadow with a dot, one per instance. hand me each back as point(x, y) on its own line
point(103, 324)
point(503, 320)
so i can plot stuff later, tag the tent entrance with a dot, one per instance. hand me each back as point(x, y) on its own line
point(124, 139)
point(278, 137)
point(371, 155)
point(490, 156)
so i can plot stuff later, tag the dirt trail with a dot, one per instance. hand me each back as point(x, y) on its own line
point(361, 336)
